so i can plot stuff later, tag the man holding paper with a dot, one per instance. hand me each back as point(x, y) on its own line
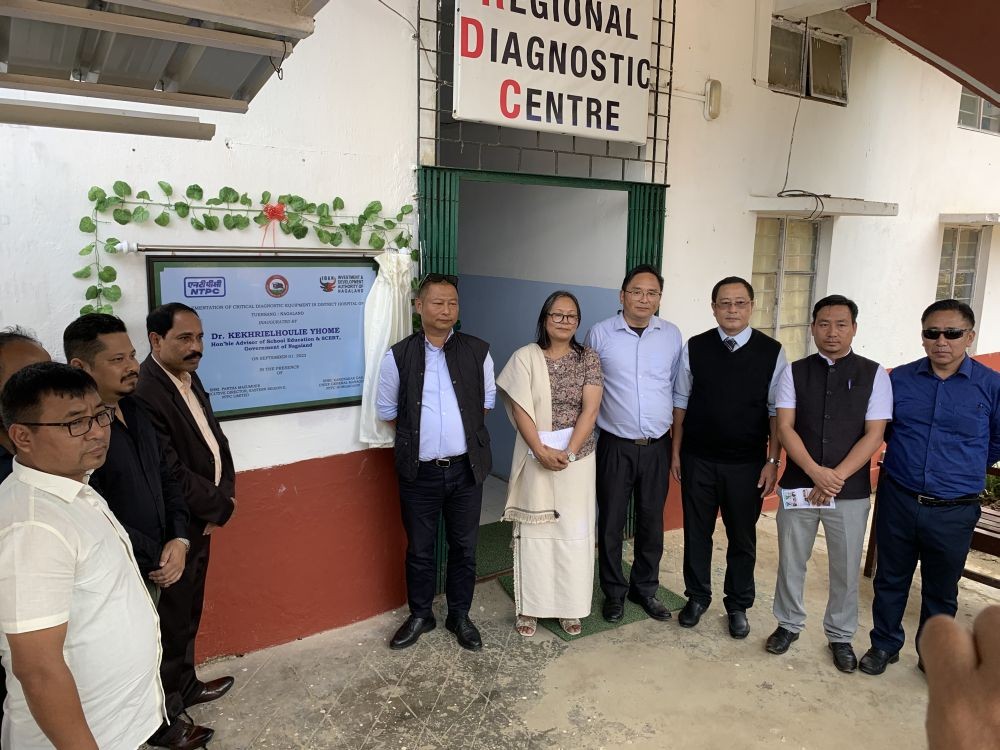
point(832, 407)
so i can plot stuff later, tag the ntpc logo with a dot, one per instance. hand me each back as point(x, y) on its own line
point(204, 286)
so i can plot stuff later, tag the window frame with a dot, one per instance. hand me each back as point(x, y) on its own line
point(979, 114)
point(809, 33)
point(820, 237)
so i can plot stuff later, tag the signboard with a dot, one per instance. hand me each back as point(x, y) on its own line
point(281, 334)
point(579, 67)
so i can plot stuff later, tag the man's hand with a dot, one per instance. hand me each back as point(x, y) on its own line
point(675, 466)
point(210, 527)
point(552, 459)
point(171, 564)
point(963, 682)
point(817, 497)
point(768, 478)
point(827, 480)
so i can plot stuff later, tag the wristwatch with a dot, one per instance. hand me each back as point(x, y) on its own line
point(775, 461)
point(571, 456)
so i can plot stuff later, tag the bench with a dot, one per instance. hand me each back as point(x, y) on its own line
point(985, 539)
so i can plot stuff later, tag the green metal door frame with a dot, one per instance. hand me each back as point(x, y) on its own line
point(438, 195)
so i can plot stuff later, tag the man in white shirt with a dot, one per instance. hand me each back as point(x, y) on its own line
point(80, 633)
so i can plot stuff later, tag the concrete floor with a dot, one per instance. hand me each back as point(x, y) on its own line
point(645, 685)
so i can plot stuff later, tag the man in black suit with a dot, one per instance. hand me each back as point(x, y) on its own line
point(197, 453)
point(137, 483)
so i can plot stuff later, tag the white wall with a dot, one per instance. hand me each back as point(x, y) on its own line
point(897, 140)
point(565, 235)
point(342, 122)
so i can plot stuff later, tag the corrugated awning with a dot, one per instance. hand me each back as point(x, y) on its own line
point(204, 54)
point(959, 37)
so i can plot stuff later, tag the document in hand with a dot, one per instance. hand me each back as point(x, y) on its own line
point(798, 498)
point(558, 439)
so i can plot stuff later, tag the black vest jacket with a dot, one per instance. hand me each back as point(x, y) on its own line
point(727, 418)
point(830, 406)
point(465, 356)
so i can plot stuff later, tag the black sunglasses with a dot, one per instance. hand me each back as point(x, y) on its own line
point(932, 334)
point(438, 278)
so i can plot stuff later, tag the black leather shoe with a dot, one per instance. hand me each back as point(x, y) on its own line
point(780, 640)
point(844, 657)
point(466, 633)
point(210, 691)
point(651, 606)
point(738, 625)
point(410, 631)
point(613, 609)
point(691, 614)
point(876, 660)
point(181, 735)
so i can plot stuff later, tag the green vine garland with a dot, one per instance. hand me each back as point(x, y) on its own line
point(297, 216)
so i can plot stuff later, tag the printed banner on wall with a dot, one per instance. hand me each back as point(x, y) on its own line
point(579, 67)
point(281, 334)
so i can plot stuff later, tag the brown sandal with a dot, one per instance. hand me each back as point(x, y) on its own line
point(526, 625)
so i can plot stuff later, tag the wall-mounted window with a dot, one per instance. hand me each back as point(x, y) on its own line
point(808, 62)
point(977, 113)
point(959, 263)
point(785, 256)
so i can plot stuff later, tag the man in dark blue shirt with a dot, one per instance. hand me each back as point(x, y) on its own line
point(18, 349)
point(945, 432)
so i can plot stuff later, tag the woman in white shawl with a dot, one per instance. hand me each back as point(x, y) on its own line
point(552, 390)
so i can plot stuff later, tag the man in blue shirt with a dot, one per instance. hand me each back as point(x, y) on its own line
point(639, 354)
point(435, 387)
point(945, 432)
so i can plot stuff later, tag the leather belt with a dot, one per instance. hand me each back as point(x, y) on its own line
point(444, 463)
point(638, 441)
point(936, 502)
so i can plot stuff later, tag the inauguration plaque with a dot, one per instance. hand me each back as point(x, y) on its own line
point(281, 334)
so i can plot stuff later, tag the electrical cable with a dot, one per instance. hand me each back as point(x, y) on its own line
point(416, 34)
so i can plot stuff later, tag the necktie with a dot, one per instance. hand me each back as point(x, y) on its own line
point(730, 342)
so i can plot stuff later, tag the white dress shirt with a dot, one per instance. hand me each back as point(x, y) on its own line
point(684, 381)
point(879, 402)
point(64, 558)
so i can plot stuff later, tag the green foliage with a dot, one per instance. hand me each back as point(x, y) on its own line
point(329, 225)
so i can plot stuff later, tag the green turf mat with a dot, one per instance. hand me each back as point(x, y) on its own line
point(493, 553)
point(595, 623)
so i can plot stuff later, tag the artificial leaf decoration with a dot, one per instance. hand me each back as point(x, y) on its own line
point(87, 225)
point(166, 188)
point(194, 192)
point(122, 189)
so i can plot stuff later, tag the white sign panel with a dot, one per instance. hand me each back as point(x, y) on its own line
point(579, 67)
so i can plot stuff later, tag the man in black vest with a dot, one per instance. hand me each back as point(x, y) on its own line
point(435, 387)
point(725, 449)
point(833, 407)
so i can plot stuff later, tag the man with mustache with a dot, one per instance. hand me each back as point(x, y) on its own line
point(79, 630)
point(197, 453)
point(136, 481)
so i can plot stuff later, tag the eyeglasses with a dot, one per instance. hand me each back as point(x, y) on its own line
point(438, 278)
point(563, 317)
point(80, 427)
point(735, 304)
point(932, 334)
point(642, 294)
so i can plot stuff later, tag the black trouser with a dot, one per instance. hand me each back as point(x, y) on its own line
point(451, 490)
point(708, 487)
point(625, 469)
point(906, 531)
point(180, 615)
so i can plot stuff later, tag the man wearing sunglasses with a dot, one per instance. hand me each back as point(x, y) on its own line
point(80, 632)
point(435, 387)
point(945, 432)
